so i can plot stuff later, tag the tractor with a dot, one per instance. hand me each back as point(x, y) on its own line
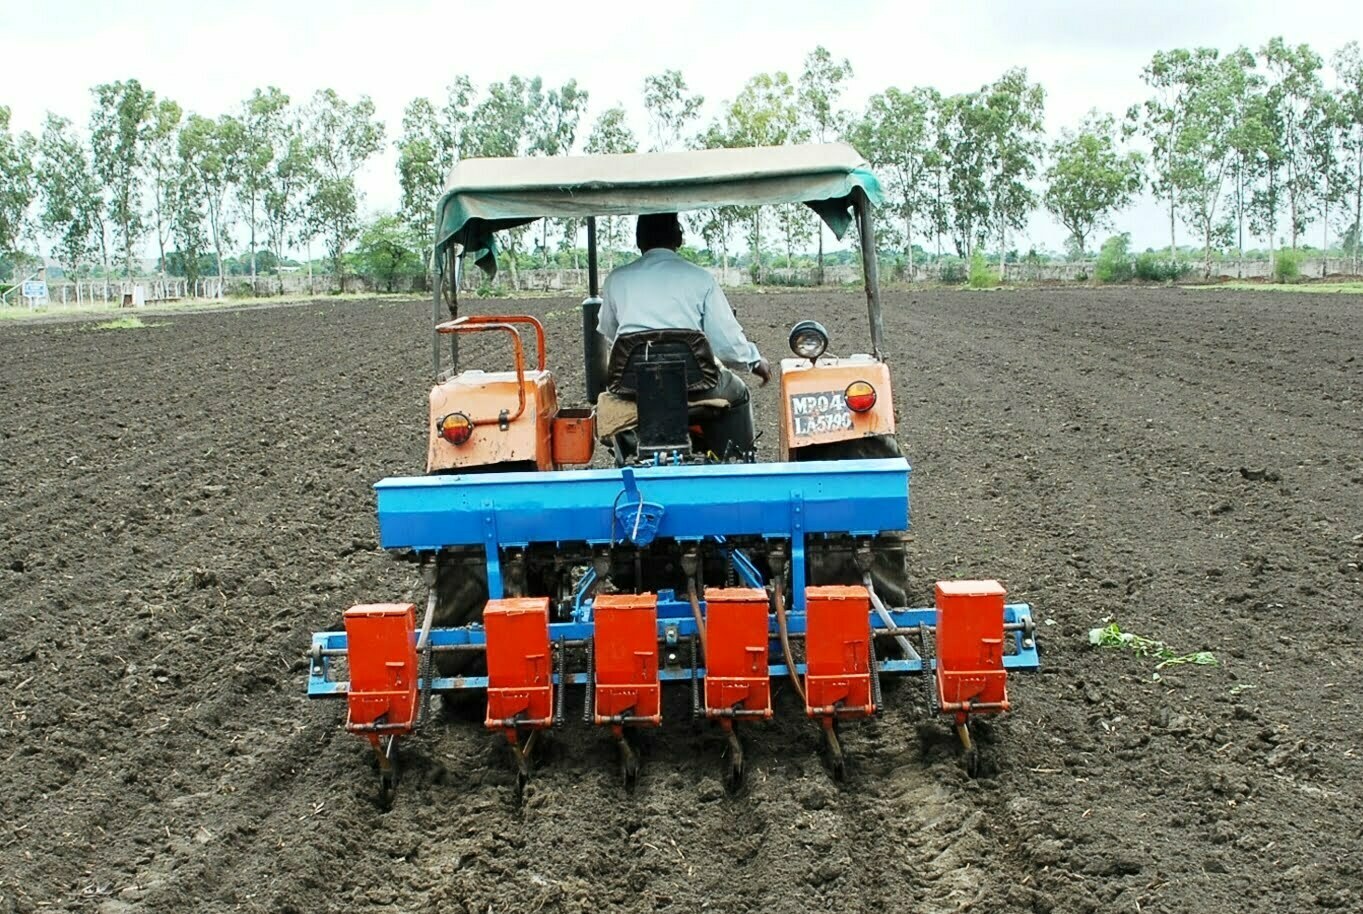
point(578, 559)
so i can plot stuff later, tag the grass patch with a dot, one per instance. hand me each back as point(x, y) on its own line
point(90, 310)
point(1112, 636)
point(562, 312)
point(1353, 287)
point(127, 323)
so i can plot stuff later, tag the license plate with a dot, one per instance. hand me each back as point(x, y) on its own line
point(819, 413)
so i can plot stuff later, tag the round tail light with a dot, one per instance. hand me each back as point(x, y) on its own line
point(860, 396)
point(456, 428)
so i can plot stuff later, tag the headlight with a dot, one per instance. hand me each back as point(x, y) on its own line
point(808, 339)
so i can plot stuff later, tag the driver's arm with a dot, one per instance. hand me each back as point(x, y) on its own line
point(731, 346)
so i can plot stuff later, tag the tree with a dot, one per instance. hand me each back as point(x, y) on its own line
point(185, 207)
point(553, 124)
point(963, 149)
point(432, 140)
point(206, 150)
point(285, 183)
point(16, 183)
point(501, 126)
point(387, 249)
point(423, 149)
point(716, 227)
point(1090, 177)
point(69, 193)
point(1265, 169)
point(820, 88)
point(937, 168)
point(1014, 110)
point(670, 106)
point(1296, 88)
point(500, 123)
point(162, 160)
point(764, 113)
point(1248, 134)
point(610, 135)
point(896, 138)
point(334, 213)
point(341, 137)
point(1323, 128)
point(118, 134)
point(1174, 76)
point(793, 223)
point(1205, 146)
point(1348, 67)
point(553, 129)
point(262, 130)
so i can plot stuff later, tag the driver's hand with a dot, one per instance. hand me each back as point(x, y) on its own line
point(763, 370)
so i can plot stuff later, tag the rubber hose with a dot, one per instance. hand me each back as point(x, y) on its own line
point(779, 598)
point(884, 613)
point(426, 622)
point(424, 668)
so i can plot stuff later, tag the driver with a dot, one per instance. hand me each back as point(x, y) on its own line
point(661, 291)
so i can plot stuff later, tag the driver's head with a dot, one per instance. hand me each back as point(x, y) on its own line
point(658, 230)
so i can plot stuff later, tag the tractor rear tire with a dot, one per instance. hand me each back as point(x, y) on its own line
point(460, 595)
point(868, 448)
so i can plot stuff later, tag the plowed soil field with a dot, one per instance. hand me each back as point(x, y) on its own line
point(181, 505)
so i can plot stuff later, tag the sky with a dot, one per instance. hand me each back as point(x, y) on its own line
point(209, 56)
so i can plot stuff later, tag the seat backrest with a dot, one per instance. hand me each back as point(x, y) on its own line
point(634, 349)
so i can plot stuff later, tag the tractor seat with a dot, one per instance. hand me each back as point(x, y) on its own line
point(687, 346)
point(664, 383)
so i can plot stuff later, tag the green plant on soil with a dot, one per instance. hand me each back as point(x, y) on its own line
point(1151, 267)
point(981, 276)
point(1287, 266)
point(1114, 263)
point(952, 272)
point(1111, 635)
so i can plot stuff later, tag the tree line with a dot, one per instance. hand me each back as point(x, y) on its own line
point(145, 171)
point(1235, 146)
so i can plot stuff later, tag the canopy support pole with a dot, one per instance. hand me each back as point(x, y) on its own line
point(593, 361)
point(438, 289)
point(456, 270)
point(870, 273)
point(593, 286)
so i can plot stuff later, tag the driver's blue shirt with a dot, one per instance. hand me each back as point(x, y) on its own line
point(661, 291)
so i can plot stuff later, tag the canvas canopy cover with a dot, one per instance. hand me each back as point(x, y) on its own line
point(483, 196)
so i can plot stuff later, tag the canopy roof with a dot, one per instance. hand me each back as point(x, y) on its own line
point(483, 196)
